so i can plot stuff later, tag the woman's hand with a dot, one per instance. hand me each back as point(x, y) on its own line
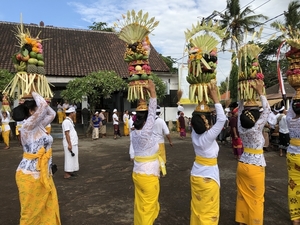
point(151, 88)
point(258, 87)
point(213, 92)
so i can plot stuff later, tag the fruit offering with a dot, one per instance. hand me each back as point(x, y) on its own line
point(29, 64)
point(293, 56)
point(202, 61)
point(134, 30)
point(249, 72)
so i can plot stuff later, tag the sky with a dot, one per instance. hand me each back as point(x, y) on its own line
point(174, 16)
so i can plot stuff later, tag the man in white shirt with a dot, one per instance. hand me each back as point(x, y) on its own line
point(115, 119)
point(160, 129)
point(131, 128)
point(70, 143)
point(284, 136)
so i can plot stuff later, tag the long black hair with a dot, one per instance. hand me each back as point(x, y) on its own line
point(141, 117)
point(201, 122)
point(296, 106)
point(21, 112)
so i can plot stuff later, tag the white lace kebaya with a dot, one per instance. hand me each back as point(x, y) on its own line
point(253, 137)
point(144, 143)
point(294, 129)
point(34, 136)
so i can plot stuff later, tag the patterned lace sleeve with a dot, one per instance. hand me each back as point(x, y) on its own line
point(265, 113)
point(43, 115)
point(148, 127)
point(8, 115)
point(290, 114)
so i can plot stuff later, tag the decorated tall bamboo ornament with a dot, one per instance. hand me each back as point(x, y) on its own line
point(29, 65)
point(293, 56)
point(134, 29)
point(202, 62)
point(249, 71)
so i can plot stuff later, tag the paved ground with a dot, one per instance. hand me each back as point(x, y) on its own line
point(102, 194)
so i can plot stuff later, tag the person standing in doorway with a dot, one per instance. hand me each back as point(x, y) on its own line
point(70, 143)
point(116, 122)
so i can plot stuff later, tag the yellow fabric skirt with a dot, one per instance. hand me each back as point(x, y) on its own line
point(162, 151)
point(250, 182)
point(48, 129)
point(39, 206)
point(126, 128)
point(60, 116)
point(205, 203)
point(293, 166)
point(146, 192)
point(5, 136)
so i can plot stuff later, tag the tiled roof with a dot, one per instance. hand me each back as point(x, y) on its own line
point(274, 91)
point(74, 52)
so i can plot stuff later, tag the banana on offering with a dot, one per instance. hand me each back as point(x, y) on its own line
point(29, 64)
point(134, 29)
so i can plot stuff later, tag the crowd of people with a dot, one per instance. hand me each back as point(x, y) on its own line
point(249, 130)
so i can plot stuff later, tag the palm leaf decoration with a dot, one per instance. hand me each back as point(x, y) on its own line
point(135, 26)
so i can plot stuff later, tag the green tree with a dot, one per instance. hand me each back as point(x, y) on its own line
point(238, 21)
point(5, 78)
point(95, 86)
point(160, 88)
point(170, 63)
point(223, 86)
point(233, 78)
point(101, 26)
point(268, 62)
point(291, 17)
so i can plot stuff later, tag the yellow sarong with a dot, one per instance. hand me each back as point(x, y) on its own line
point(60, 116)
point(48, 129)
point(250, 182)
point(38, 197)
point(5, 136)
point(17, 129)
point(293, 165)
point(126, 127)
point(162, 151)
point(295, 141)
point(146, 192)
point(205, 203)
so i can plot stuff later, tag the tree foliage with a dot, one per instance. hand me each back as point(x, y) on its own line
point(5, 78)
point(291, 17)
point(238, 21)
point(170, 63)
point(95, 86)
point(233, 79)
point(268, 62)
point(101, 26)
point(160, 87)
point(223, 86)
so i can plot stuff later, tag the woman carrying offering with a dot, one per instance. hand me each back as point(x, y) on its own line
point(126, 123)
point(37, 192)
point(205, 180)
point(5, 118)
point(293, 160)
point(250, 178)
point(146, 169)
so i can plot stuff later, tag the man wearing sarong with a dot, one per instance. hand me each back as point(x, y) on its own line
point(5, 119)
point(37, 192)
point(116, 123)
point(250, 178)
point(293, 161)
point(205, 178)
point(70, 143)
point(160, 130)
point(146, 169)
point(96, 124)
point(237, 144)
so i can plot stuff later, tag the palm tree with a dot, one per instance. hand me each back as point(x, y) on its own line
point(101, 26)
point(291, 17)
point(238, 22)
